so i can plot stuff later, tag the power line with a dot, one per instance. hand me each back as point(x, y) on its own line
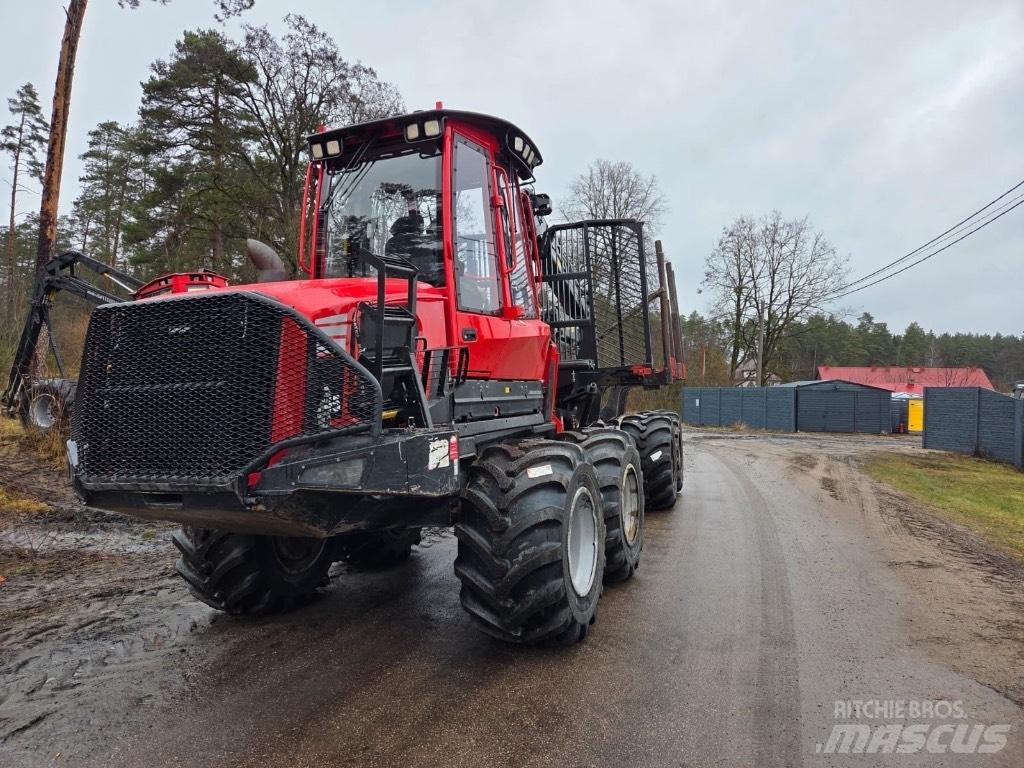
point(935, 239)
point(1020, 201)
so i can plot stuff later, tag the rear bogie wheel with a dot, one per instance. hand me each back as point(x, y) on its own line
point(617, 463)
point(531, 543)
point(677, 455)
point(246, 574)
point(377, 549)
point(655, 436)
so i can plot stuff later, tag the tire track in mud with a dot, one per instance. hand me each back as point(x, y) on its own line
point(777, 708)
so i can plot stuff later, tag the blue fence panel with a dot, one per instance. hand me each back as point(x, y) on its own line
point(710, 408)
point(996, 426)
point(691, 405)
point(756, 407)
point(951, 419)
point(975, 422)
point(731, 404)
point(1018, 441)
point(755, 402)
point(780, 409)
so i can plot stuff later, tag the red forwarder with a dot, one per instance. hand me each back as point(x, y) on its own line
point(449, 360)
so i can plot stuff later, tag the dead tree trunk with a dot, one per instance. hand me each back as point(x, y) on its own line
point(58, 130)
point(75, 15)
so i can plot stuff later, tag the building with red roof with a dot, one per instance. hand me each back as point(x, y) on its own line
point(909, 379)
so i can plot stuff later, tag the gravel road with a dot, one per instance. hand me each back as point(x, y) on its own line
point(783, 582)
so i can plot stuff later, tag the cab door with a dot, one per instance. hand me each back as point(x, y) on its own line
point(528, 335)
point(502, 340)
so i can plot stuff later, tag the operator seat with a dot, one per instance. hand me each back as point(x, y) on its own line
point(422, 249)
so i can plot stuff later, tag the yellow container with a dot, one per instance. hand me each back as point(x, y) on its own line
point(915, 415)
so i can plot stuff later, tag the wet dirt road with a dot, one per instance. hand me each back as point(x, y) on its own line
point(782, 582)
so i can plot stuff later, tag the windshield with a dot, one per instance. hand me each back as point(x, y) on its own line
point(388, 206)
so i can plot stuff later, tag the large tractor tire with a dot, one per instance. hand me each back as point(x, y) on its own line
point(531, 543)
point(655, 439)
point(677, 458)
point(245, 574)
point(617, 463)
point(372, 550)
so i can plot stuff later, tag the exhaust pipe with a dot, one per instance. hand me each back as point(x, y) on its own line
point(269, 267)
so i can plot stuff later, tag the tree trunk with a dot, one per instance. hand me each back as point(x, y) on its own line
point(216, 225)
point(58, 130)
point(11, 261)
point(737, 328)
point(50, 197)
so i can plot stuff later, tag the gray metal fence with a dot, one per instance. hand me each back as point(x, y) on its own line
point(976, 422)
point(768, 408)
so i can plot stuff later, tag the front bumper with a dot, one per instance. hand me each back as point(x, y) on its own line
point(403, 477)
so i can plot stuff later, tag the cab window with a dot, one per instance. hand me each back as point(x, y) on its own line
point(388, 206)
point(476, 262)
point(520, 288)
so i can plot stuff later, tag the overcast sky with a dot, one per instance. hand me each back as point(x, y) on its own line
point(884, 123)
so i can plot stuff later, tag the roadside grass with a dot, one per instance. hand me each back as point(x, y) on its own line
point(984, 496)
point(737, 427)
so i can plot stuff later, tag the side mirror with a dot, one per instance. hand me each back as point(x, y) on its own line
point(512, 312)
point(541, 204)
point(269, 267)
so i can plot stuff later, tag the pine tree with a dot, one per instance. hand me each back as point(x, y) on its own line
point(110, 185)
point(192, 117)
point(23, 141)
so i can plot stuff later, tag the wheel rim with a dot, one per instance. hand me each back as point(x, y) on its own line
point(43, 411)
point(630, 505)
point(582, 544)
point(295, 554)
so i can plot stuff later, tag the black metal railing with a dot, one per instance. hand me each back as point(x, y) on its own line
point(595, 292)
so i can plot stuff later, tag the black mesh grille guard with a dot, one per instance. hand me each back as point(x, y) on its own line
point(190, 392)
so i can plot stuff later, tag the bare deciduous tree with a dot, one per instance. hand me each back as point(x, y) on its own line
point(771, 276)
point(301, 82)
point(616, 190)
point(725, 273)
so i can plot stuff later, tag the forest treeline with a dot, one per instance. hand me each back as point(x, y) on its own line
point(824, 339)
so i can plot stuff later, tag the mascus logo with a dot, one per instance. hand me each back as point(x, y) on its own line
point(932, 738)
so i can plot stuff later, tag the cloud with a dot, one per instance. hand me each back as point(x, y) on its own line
point(882, 122)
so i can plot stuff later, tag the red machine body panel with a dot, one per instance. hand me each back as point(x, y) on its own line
point(331, 304)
